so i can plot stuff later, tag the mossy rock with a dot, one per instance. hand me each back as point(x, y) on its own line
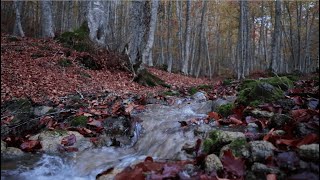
point(171, 93)
point(89, 62)
point(79, 121)
point(64, 62)
point(207, 145)
point(145, 78)
point(77, 39)
point(255, 92)
point(193, 90)
point(225, 109)
point(204, 87)
point(227, 82)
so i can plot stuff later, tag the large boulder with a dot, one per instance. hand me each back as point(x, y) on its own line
point(12, 152)
point(223, 101)
point(51, 140)
point(117, 126)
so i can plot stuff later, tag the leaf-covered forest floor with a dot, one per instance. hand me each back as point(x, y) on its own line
point(44, 70)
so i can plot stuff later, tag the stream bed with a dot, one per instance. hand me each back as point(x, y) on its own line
point(159, 135)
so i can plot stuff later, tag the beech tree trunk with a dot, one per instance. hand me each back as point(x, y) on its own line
point(187, 40)
point(18, 31)
point(46, 18)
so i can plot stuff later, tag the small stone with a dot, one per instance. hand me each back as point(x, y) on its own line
point(212, 162)
point(3, 146)
point(279, 120)
point(309, 152)
point(261, 114)
point(202, 129)
point(42, 110)
point(262, 168)
point(13, 152)
point(229, 136)
point(260, 150)
point(279, 132)
point(199, 96)
point(240, 152)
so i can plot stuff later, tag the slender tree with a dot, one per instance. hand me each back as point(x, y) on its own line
point(18, 31)
point(46, 19)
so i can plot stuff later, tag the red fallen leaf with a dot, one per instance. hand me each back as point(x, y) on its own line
point(261, 124)
point(7, 120)
point(214, 115)
point(95, 123)
point(95, 112)
point(140, 107)
point(235, 121)
point(309, 139)
point(71, 149)
point(232, 165)
point(148, 159)
point(30, 145)
point(301, 115)
point(129, 108)
point(239, 111)
point(68, 140)
point(298, 100)
point(45, 120)
point(116, 107)
point(271, 177)
point(87, 114)
point(267, 136)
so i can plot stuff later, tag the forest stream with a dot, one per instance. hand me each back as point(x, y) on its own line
point(159, 135)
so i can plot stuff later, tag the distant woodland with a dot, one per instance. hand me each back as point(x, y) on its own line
point(197, 38)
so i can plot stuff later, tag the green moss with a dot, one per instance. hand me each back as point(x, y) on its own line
point(207, 145)
point(227, 82)
point(237, 145)
point(193, 90)
point(59, 132)
point(225, 109)
point(171, 93)
point(52, 111)
point(214, 135)
point(251, 93)
point(204, 86)
point(77, 39)
point(64, 62)
point(79, 121)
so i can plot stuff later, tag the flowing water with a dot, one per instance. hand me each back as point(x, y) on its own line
point(159, 135)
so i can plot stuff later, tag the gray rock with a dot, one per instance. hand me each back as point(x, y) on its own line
point(252, 127)
point(212, 162)
point(279, 120)
point(12, 152)
point(202, 107)
point(264, 89)
point(51, 140)
point(302, 130)
point(261, 114)
point(199, 96)
point(260, 150)
point(117, 126)
point(42, 110)
point(242, 151)
point(202, 129)
point(219, 102)
point(229, 136)
point(309, 152)
point(3, 146)
point(279, 132)
point(262, 168)
point(313, 103)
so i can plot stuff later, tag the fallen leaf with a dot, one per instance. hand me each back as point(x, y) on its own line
point(68, 140)
point(30, 145)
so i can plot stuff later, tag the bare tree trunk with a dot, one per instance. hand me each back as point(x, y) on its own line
point(169, 37)
point(276, 39)
point(18, 31)
point(146, 55)
point(200, 36)
point(179, 16)
point(187, 39)
point(46, 17)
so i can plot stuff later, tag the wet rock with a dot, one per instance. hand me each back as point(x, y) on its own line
point(260, 150)
point(302, 130)
point(261, 114)
point(199, 96)
point(202, 107)
point(156, 101)
point(42, 110)
point(219, 102)
point(190, 169)
point(262, 168)
point(3, 146)
point(229, 136)
point(252, 127)
point(313, 103)
point(12, 152)
point(279, 132)
point(309, 152)
point(202, 129)
point(117, 126)
point(212, 162)
point(279, 120)
point(22, 111)
point(51, 140)
point(237, 151)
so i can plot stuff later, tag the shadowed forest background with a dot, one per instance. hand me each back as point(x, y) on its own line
point(199, 38)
